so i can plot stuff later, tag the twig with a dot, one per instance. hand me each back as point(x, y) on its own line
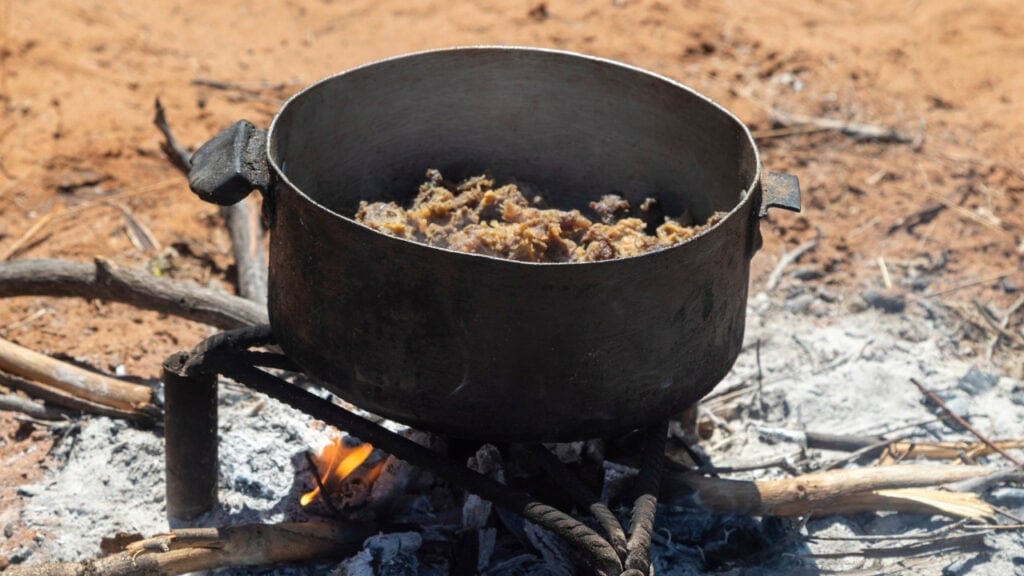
point(972, 283)
point(201, 549)
point(886, 279)
point(324, 495)
point(784, 462)
point(964, 423)
point(787, 131)
point(253, 89)
point(964, 212)
point(138, 233)
point(1013, 309)
point(898, 451)
point(69, 378)
point(858, 454)
point(995, 325)
point(104, 281)
point(29, 234)
point(787, 259)
point(858, 130)
point(177, 153)
point(16, 403)
point(24, 240)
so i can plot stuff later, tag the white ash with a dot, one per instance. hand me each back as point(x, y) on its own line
point(846, 374)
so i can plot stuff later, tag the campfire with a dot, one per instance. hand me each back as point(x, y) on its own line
point(465, 414)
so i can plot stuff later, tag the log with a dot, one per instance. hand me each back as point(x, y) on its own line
point(58, 397)
point(200, 549)
point(91, 386)
point(103, 281)
point(835, 491)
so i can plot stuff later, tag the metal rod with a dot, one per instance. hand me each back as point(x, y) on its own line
point(581, 494)
point(641, 526)
point(597, 551)
point(190, 438)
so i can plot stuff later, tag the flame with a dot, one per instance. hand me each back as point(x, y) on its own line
point(374, 472)
point(336, 462)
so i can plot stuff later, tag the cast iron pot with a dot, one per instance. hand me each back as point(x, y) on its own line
point(481, 347)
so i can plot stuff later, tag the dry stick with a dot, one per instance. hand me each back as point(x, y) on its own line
point(59, 397)
point(995, 325)
point(787, 131)
point(242, 219)
point(200, 549)
point(964, 423)
point(254, 89)
point(886, 279)
point(858, 454)
point(30, 234)
point(855, 129)
point(14, 403)
point(174, 150)
point(972, 283)
point(72, 379)
point(246, 229)
point(820, 491)
point(787, 259)
point(104, 281)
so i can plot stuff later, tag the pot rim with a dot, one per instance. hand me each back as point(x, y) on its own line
point(742, 204)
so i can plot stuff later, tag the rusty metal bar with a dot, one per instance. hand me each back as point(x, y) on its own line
point(641, 525)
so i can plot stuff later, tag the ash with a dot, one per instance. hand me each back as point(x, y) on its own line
point(819, 370)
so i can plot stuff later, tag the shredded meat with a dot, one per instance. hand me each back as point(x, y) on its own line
point(477, 217)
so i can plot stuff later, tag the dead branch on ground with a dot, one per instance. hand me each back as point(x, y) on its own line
point(102, 280)
point(950, 450)
point(857, 130)
point(58, 397)
point(246, 228)
point(965, 424)
point(888, 488)
point(177, 153)
point(200, 549)
point(15, 403)
point(71, 379)
point(787, 259)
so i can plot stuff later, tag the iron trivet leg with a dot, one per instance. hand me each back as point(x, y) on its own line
point(225, 354)
point(190, 439)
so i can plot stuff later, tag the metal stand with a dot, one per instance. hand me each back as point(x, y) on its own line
point(227, 354)
point(190, 437)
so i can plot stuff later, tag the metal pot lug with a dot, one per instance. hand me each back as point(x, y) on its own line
point(779, 191)
point(231, 165)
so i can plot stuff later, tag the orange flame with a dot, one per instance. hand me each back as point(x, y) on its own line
point(336, 462)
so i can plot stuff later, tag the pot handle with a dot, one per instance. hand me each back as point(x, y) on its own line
point(230, 165)
point(779, 191)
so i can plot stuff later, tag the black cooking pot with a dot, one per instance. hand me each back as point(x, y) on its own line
point(482, 347)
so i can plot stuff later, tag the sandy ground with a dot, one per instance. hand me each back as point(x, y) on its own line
point(937, 213)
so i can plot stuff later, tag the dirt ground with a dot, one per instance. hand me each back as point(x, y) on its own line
point(938, 215)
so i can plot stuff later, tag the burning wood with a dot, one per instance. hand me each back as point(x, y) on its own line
point(336, 463)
